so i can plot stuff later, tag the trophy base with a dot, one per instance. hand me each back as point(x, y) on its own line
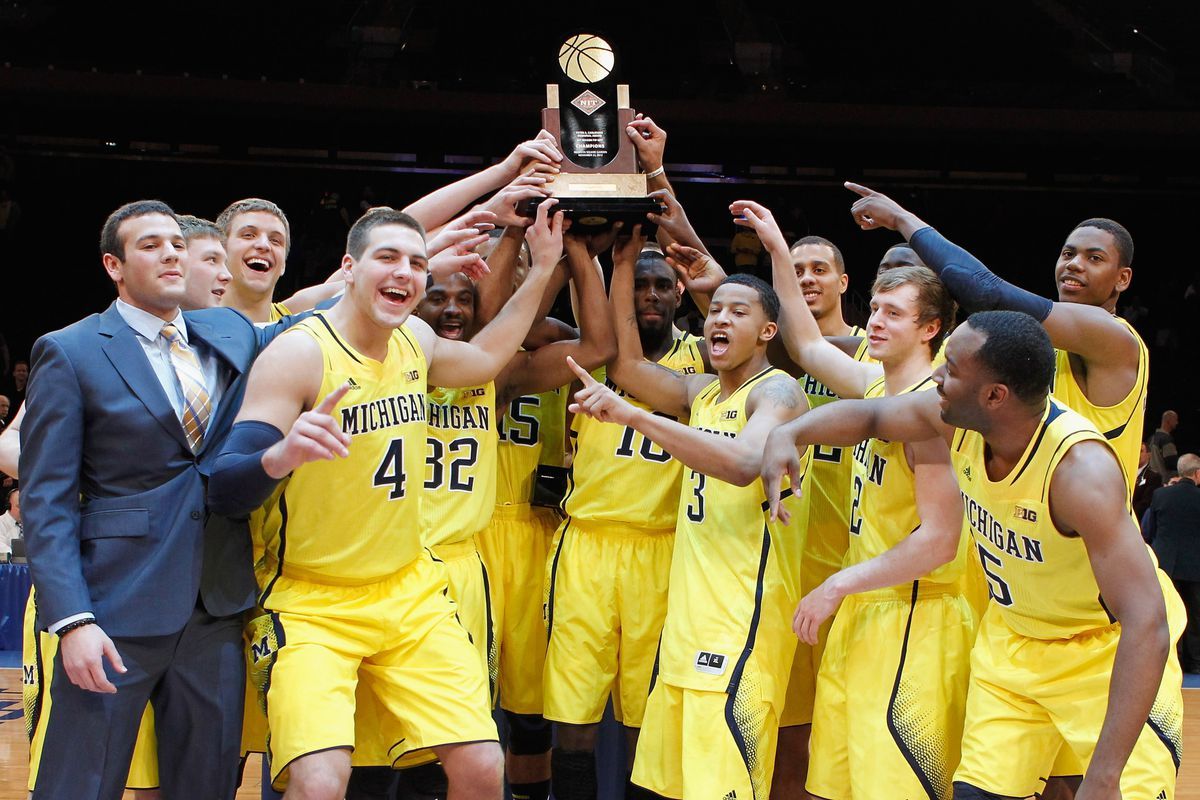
point(594, 214)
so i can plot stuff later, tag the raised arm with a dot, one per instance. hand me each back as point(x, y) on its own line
point(438, 207)
point(453, 364)
point(774, 402)
point(802, 336)
point(1089, 331)
point(650, 141)
point(1087, 497)
point(933, 543)
point(546, 368)
point(912, 417)
point(655, 385)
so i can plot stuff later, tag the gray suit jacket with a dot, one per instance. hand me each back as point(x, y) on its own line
point(113, 500)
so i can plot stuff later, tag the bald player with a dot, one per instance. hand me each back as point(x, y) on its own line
point(1075, 646)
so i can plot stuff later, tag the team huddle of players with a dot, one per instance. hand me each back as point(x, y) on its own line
point(741, 558)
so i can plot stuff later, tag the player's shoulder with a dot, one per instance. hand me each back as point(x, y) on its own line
point(418, 332)
point(779, 390)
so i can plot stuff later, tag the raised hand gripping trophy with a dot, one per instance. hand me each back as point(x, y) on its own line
point(588, 111)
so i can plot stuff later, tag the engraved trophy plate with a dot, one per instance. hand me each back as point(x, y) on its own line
point(588, 111)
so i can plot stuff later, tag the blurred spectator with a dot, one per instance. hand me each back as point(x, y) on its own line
point(1163, 454)
point(14, 386)
point(1145, 483)
point(1173, 525)
point(10, 522)
point(5, 409)
point(746, 249)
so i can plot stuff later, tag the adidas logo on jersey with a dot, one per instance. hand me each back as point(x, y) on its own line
point(967, 472)
point(731, 795)
point(353, 384)
point(1162, 795)
point(711, 663)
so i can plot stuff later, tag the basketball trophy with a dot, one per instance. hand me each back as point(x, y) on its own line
point(599, 182)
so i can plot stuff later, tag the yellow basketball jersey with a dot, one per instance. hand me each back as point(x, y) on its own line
point(278, 312)
point(1041, 580)
point(883, 499)
point(826, 485)
point(554, 428)
point(732, 571)
point(356, 519)
point(522, 433)
point(618, 475)
point(1121, 424)
point(460, 463)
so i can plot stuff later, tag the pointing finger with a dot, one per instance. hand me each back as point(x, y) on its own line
point(327, 405)
point(583, 374)
point(860, 190)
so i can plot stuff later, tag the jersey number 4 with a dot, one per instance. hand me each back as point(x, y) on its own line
point(391, 470)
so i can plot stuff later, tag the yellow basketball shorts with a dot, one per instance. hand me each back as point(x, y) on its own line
point(606, 599)
point(1028, 696)
point(891, 694)
point(400, 639)
point(708, 744)
point(468, 585)
point(802, 683)
point(38, 652)
point(256, 636)
point(514, 549)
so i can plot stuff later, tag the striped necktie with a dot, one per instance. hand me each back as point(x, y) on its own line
point(197, 405)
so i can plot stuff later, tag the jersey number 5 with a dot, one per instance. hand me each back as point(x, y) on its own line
point(518, 426)
point(391, 470)
point(997, 588)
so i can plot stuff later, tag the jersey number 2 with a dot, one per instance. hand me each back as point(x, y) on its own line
point(855, 513)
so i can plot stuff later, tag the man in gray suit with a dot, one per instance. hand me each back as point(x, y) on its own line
point(1172, 524)
point(126, 410)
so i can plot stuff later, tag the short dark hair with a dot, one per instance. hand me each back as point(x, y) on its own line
point(933, 298)
point(198, 228)
point(360, 231)
point(247, 206)
point(839, 263)
point(653, 256)
point(1119, 233)
point(110, 242)
point(1016, 349)
point(767, 297)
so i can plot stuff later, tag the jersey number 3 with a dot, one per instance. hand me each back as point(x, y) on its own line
point(695, 506)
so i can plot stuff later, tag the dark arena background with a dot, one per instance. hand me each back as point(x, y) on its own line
point(1003, 124)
